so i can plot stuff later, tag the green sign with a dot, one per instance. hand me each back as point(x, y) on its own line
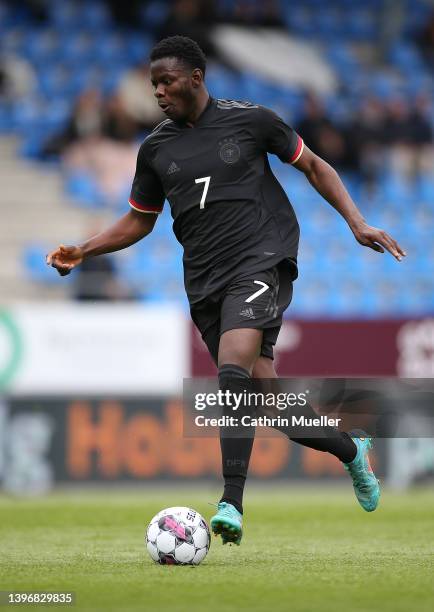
point(9, 329)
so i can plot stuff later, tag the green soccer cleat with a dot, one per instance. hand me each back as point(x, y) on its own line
point(366, 486)
point(228, 522)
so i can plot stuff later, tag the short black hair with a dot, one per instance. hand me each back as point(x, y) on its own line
point(183, 48)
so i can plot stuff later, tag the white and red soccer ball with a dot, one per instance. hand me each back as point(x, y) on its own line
point(178, 536)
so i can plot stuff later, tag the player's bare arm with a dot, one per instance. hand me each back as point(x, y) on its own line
point(328, 183)
point(128, 230)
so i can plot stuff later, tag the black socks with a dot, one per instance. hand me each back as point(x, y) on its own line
point(236, 442)
point(330, 440)
point(339, 444)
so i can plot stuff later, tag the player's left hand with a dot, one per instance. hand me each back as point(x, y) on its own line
point(378, 240)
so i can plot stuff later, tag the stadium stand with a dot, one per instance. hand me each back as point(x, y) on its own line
point(385, 84)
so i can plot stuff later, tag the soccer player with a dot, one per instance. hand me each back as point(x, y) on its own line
point(240, 238)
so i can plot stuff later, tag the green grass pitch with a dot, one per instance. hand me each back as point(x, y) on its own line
point(303, 550)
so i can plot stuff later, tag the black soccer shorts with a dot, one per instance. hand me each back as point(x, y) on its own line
point(257, 301)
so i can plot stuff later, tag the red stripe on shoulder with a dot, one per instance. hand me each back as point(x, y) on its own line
point(298, 150)
point(147, 208)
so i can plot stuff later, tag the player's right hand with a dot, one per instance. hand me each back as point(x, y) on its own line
point(65, 258)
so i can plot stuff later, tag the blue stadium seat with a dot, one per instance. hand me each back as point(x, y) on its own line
point(341, 54)
point(154, 14)
point(7, 119)
point(32, 144)
point(300, 20)
point(41, 46)
point(310, 297)
point(425, 189)
point(419, 301)
point(77, 49)
point(405, 56)
point(222, 83)
point(361, 25)
point(13, 40)
point(57, 80)
point(421, 221)
point(416, 17)
point(95, 16)
point(329, 22)
point(82, 188)
point(65, 16)
point(34, 114)
point(111, 79)
point(395, 190)
point(38, 129)
point(138, 47)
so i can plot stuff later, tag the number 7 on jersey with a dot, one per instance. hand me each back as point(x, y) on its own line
point(206, 180)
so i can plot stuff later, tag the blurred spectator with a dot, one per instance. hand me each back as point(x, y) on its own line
point(426, 42)
point(86, 122)
point(367, 137)
point(36, 9)
point(423, 134)
point(98, 144)
point(96, 279)
point(108, 163)
point(379, 134)
point(266, 13)
point(407, 131)
point(117, 123)
point(125, 12)
point(313, 120)
point(137, 95)
point(192, 18)
point(422, 131)
point(17, 78)
point(92, 120)
point(398, 125)
point(321, 135)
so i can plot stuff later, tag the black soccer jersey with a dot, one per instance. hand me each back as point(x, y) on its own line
point(230, 213)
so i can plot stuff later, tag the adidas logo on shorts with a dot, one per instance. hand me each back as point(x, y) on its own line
point(248, 313)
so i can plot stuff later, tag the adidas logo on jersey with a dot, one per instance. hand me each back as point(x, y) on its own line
point(248, 313)
point(173, 168)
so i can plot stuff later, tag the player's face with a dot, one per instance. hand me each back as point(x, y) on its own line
point(175, 87)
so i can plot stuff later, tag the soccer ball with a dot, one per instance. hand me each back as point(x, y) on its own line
point(178, 536)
